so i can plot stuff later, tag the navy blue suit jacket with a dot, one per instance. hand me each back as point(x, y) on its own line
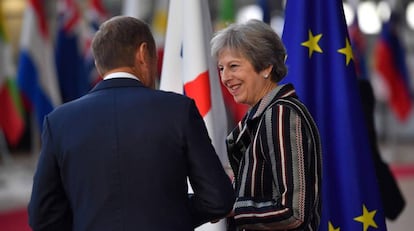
point(118, 159)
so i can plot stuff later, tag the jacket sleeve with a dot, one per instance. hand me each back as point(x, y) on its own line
point(213, 196)
point(48, 207)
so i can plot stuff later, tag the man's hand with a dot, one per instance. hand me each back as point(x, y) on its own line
point(231, 214)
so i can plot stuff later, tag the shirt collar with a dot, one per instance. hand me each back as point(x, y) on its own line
point(121, 75)
point(281, 91)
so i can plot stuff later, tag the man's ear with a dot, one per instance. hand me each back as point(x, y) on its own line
point(98, 69)
point(141, 53)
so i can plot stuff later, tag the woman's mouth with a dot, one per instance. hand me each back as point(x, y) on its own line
point(233, 89)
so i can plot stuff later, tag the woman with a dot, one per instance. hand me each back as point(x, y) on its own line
point(275, 151)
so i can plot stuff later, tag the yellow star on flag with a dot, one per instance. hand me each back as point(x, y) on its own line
point(367, 218)
point(312, 43)
point(332, 228)
point(347, 51)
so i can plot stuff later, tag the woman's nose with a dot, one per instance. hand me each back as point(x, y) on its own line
point(224, 75)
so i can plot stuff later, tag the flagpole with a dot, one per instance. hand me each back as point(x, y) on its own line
point(35, 138)
point(4, 151)
point(392, 137)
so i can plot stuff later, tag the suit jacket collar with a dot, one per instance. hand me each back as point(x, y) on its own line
point(117, 82)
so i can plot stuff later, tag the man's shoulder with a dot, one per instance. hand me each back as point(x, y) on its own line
point(173, 96)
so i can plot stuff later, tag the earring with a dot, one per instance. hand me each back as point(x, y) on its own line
point(266, 76)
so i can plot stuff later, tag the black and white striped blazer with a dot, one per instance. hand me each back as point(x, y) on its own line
point(275, 154)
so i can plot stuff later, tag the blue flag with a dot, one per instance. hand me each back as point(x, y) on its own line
point(36, 74)
point(320, 64)
point(71, 64)
point(265, 6)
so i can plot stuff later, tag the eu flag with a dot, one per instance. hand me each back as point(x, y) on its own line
point(320, 64)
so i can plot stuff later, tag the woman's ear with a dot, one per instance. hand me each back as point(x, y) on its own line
point(267, 71)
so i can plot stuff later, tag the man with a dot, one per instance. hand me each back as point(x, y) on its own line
point(119, 157)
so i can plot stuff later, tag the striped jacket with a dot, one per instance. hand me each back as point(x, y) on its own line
point(275, 154)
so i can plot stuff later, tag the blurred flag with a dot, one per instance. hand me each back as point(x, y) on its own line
point(227, 13)
point(11, 111)
point(359, 49)
point(321, 67)
point(172, 68)
point(391, 65)
point(140, 9)
point(264, 5)
point(95, 15)
point(159, 20)
point(189, 69)
point(159, 28)
point(36, 73)
point(227, 16)
point(70, 61)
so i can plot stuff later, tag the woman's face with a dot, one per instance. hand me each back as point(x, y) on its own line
point(240, 78)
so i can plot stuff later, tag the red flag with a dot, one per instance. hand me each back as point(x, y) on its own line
point(11, 113)
point(391, 66)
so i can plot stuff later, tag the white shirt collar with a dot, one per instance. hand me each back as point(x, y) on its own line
point(121, 75)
